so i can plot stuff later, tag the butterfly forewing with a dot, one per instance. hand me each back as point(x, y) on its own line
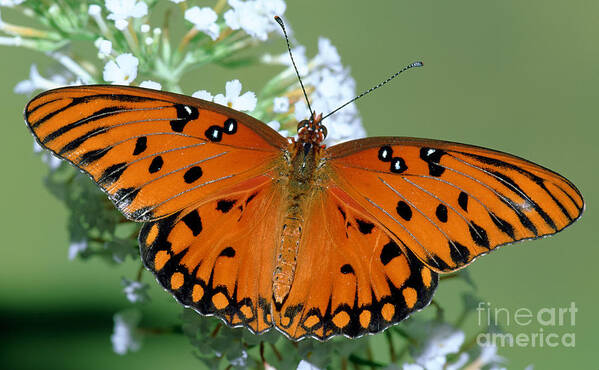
point(154, 153)
point(451, 202)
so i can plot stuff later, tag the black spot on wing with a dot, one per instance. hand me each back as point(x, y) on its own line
point(142, 214)
point(225, 205)
point(441, 213)
point(432, 157)
point(389, 252)
point(478, 234)
point(193, 174)
point(250, 198)
point(502, 225)
point(227, 252)
point(193, 222)
point(214, 134)
point(92, 156)
point(185, 113)
point(230, 126)
point(385, 153)
point(404, 210)
point(342, 212)
point(347, 269)
point(463, 201)
point(156, 164)
point(439, 263)
point(141, 144)
point(398, 165)
point(365, 227)
point(124, 197)
point(459, 253)
point(112, 174)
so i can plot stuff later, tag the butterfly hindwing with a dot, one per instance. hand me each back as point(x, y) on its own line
point(451, 202)
point(154, 153)
point(218, 257)
point(352, 278)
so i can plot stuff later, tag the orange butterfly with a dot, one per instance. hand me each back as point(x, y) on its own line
point(263, 231)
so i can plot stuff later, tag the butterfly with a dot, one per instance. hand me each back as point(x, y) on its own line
point(264, 231)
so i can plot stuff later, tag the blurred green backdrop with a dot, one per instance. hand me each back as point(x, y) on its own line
point(518, 76)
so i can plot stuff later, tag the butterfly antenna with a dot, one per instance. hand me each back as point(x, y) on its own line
point(280, 22)
point(415, 64)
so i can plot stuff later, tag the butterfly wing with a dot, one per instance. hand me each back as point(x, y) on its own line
point(353, 277)
point(154, 153)
point(449, 202)
point(222, 267)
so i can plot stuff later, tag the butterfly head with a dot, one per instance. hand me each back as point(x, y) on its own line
point(312, 130)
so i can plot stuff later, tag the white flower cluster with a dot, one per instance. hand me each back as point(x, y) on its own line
point(135, 291)
point(232, 97)
point(125, 336)
point(255, 17)
point(332, 86)
point(440, 340)
point(122, 10)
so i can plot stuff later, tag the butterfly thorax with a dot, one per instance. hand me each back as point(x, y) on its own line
point(302, 178)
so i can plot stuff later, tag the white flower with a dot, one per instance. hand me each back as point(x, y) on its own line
point(442, 340)
point(76, 248)
point(53, 162)
point(299, 55)
point(255, 17)
point(327, 54)
point(232, 99)
point(125, 336)
point(94, 10)
point(121, 71)
point(37, 82)
point(145, 28)
point(241, 361)
point(204, 19)
point(305, 365)
point(104, 47)
point(121, 10)
point(135, 291)
point(459, 364)
point(412, 367)
point(149, 84)
point(488, 356)
point(280, 105)
point(177, 1)
point(275, 125)
point(203, 94)
point(10, 3)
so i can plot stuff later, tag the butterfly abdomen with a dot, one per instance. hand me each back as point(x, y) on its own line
point(301, 188)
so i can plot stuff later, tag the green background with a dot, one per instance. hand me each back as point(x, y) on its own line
point(518, 76)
